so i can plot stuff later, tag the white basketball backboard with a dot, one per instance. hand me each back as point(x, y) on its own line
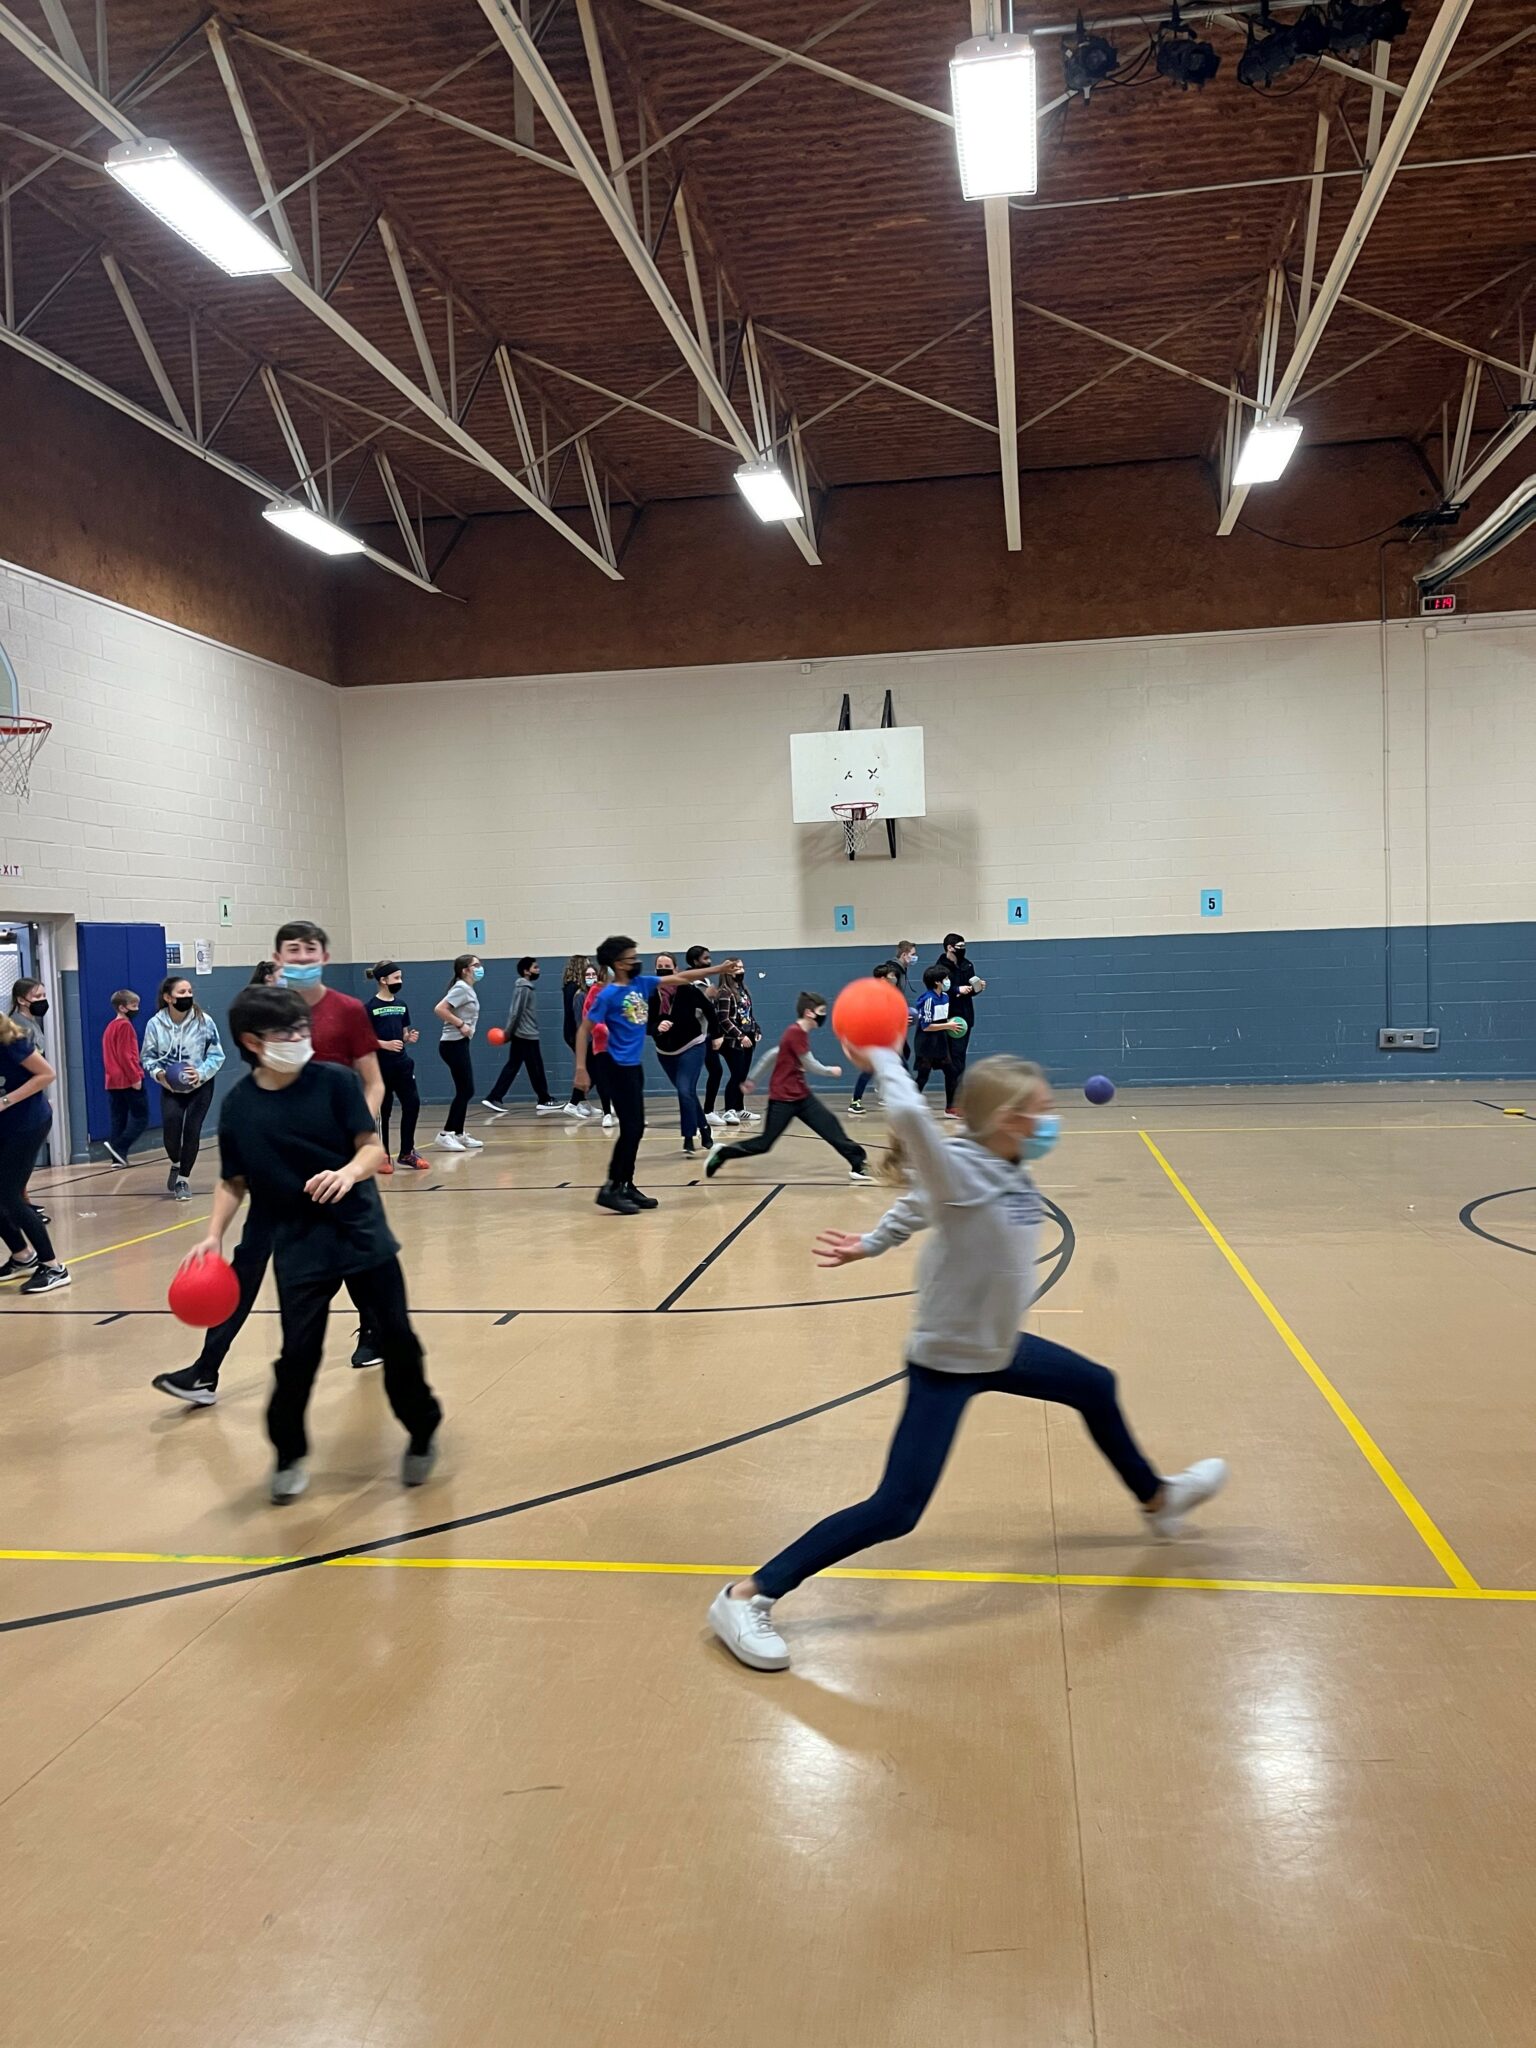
point(877, 764)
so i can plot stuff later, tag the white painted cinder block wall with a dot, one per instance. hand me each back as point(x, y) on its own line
point(179, 771)
point(1110, 782)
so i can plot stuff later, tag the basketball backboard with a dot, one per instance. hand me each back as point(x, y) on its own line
point(880, 764)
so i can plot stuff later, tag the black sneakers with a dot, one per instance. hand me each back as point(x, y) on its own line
point(633, 1194)
point(616, 1199)
point(367, 1351)
point(191, 1385)
point(18, 1268)
point(45, 1279)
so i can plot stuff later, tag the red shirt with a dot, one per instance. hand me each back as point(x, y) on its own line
point(120, 1054)
point(787, 1082)
point(341, 1030)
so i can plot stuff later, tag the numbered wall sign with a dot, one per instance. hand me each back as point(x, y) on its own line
point(1018, 910)
point(661, 924)
point(1211, 903)
point(474, 931)
point(843, 919)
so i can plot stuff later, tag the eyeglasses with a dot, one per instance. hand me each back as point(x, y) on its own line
point(288, 1037)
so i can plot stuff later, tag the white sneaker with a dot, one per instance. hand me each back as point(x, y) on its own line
point(1186, 1491)
point(585, 1111)
point(610, 1121)
point(546, 1109)
point(857, 1173)
point(731, 1117)
point(747, 1631)
point(472, 1144)
point(288, 1482)
point(573, 1109)
point(449, 1141)
point(750, 1116)
point(496, 1108)
point(716, 1119)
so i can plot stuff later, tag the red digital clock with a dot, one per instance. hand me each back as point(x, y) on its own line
point(1442, 601)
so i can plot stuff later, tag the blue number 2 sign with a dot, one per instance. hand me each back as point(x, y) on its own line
point(661, 924)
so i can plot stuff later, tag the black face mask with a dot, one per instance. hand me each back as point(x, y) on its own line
point(393, 988)
point(182, 1003)
point(40, 1007)
point(820, 1018)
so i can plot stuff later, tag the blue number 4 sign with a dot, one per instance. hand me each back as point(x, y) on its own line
point(1018, 910)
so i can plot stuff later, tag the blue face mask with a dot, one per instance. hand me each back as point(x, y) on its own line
point(479, 974)
point(1047, 1132)
point(301, 974)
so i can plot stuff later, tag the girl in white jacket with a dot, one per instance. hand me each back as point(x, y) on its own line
point(976, 1279)
point(182, 1052)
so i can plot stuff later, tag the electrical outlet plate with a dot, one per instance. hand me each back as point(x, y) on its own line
point(1399, 1038)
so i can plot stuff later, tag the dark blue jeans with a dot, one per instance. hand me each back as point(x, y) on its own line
point(683, 1069)
point(936, 1401)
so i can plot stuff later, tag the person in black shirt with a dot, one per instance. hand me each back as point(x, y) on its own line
point(391, 1020)
point(301, 1140)
point(965, 985)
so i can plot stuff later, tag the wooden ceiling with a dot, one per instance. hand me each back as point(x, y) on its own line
point(831, 217)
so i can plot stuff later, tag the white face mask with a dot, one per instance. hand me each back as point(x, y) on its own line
point(287, 1055)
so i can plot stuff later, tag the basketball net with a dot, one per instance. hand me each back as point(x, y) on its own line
point(856, 821)
point(21, 740)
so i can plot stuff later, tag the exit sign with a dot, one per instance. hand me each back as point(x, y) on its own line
point(1442, 601)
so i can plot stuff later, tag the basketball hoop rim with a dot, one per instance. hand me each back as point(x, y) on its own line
point(13, 726)
point(855, 814)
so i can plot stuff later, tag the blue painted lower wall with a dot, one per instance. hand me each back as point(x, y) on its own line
point(1189, 1008)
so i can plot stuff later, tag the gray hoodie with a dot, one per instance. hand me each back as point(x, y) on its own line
point(977, 1275)
point(523, 1017)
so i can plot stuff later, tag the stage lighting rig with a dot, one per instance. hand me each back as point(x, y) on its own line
point(1086, 61)
point(1180, 57)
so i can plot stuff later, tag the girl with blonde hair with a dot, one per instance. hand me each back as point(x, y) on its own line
point(976, 1280)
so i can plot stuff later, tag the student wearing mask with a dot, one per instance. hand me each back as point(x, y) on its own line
point(340, 1035)
point(622, 1009)
point(25, 1118)
point(680, 1022)
point(299, 1136)
point(934, 1035)
point(182, 1053)
point(885, 970)
point(390, 1017)
point(977, 1277)
point(740, 1036)
point(29, 1006)
point(789, 1096)
point(579, 977)
point(523, 1047)
point(123, 1072)
point(965, 985)
point(459, 1014)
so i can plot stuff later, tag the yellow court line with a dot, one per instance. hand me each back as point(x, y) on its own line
point(651, 1568)
point(1365, 1443)
point(79, 1258)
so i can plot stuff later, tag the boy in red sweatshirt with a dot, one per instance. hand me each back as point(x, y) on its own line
point(125, 1078)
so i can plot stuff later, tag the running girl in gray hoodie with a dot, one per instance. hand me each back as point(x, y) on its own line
point(976, 1279)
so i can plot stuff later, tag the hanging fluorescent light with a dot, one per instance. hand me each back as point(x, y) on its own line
point(767, 490)
point(992, 80)
point(1268, 448)
point(310, 528)
point(183, 198)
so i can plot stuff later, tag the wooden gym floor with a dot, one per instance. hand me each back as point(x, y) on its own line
point(480, 1777)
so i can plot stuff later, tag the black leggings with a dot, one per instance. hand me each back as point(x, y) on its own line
point(380, 1296)
point(815, 1115)
point(936, 1401)
point(20, 1223)
point(600, 1067)
point(926, 1066)
point(577, 1095)
point(454, 1053)
point(400, 1086)
point(182, 1117)
point(522, 1052)
point(738, 1060)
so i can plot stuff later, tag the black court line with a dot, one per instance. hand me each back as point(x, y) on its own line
point(1516, 1111)
point(1062, 1254)
point(723, 1246)
point(1477, 1230)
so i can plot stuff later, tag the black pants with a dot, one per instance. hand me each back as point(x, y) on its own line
point(815, 1115)
point(400, 1086)
point(454, 1053)
point(568, 1033)
point(738, 1060)
point(626, 1085)
point(130, 1117)
point(20, 1224)
point(600, 1067)
point(252, 1257)
point(927, 1065)
point(182, 1116)
point(522, 1052)
point(380, 1294)
point(936, 1401)
point(714, 1073)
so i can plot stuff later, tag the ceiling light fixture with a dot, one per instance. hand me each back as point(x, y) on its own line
point(1181, 58)
point(1086, 61)
point(182, 197)
point(310, 528)
point(1268, 448)
point(768, 491)
point(992, 82)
